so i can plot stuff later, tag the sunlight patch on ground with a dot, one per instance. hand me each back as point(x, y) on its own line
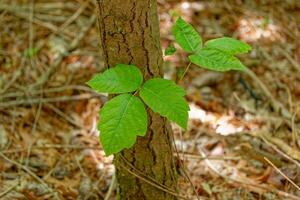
point(255, 28)
point(221, 124)
point(198, 6)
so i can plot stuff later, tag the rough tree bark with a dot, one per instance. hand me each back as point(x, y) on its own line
point(129, 31)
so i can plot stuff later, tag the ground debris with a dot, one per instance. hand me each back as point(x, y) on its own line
point(48, 116)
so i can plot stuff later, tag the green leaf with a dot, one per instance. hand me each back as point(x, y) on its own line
point(229, 45)
point(119, 79)
point(31, 52)
point(216, 60)
point(122, 119)
point(166, 98)
point(170, 50)
point(186, 36)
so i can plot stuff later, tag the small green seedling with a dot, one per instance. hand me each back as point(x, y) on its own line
point(170, 50)
point(31, 52)
point(124, 117)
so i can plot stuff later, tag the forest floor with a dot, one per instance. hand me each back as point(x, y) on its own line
point(243, 140)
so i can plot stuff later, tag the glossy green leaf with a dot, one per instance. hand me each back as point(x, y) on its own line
point(170, 50)
point(122, 119)
point(186, 36)
point(229, 45)
point(216, 60)
point(119, 79)
point(166, 98)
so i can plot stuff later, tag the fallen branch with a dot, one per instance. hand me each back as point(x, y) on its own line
point(31, 174)
point(49, 100)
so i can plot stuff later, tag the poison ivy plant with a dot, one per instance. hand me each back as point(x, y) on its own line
point(217, 54)
point(215, 59)
point(119, 79)
point(124, 117)
point(229, 45)
point(166, 98)
point(186, 36)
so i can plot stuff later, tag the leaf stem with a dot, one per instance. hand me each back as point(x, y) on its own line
point(185, 71)
point(135, 92)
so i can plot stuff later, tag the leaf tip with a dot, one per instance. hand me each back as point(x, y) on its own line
point(88, 83)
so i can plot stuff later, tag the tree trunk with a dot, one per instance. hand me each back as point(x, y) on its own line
point(129, 32)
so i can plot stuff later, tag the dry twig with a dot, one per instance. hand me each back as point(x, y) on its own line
point(32, 174)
